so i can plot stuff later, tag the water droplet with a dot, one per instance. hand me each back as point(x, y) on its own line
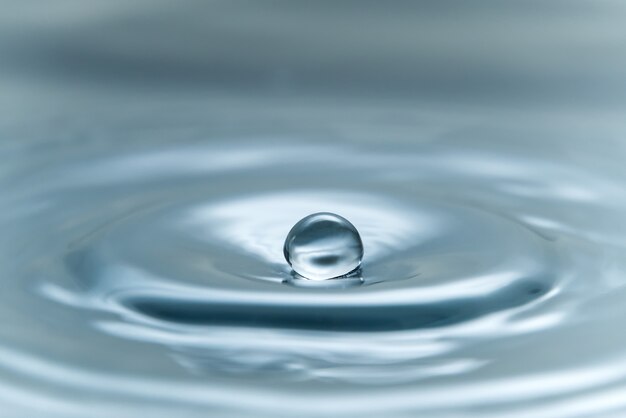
point(323, 246)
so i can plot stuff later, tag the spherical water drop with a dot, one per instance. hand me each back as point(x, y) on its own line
point(323, 246)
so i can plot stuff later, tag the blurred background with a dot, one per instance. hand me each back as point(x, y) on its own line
point(533, 53)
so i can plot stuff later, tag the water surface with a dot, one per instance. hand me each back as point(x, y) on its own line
point(150, 175)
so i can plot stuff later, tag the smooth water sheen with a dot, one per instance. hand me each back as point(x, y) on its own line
point(148, 181)
point(323, 246)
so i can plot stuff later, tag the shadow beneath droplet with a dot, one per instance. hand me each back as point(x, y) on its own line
point(350, 280)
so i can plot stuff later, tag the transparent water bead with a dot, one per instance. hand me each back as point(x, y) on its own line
point(323, 246)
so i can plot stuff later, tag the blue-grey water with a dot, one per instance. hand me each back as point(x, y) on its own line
point(155, 155)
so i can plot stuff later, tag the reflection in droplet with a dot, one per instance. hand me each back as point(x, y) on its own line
point(323, 246)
